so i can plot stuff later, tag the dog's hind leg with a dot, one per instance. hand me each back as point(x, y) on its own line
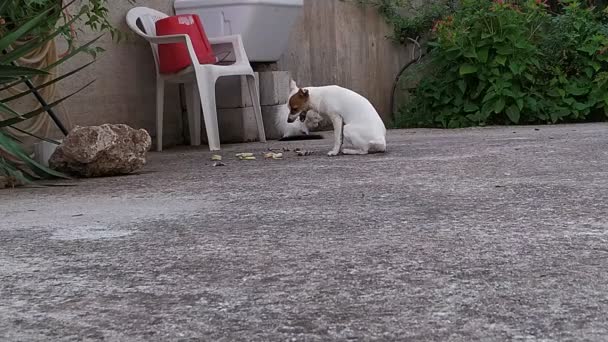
point(353, 152)
point(338, 124)
point(378, 145)
point(353, 136)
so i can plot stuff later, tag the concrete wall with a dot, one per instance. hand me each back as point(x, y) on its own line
point(334, 42)
point(338, 42)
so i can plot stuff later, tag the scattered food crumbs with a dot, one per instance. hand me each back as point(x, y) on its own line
point(272, 155)
point(219, 163)
point(302, 153)
point(216, 157)
point(243, 155)
point(286, 149)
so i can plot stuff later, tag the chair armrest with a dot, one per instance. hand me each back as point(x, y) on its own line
point(175, 38)
point(237, 45)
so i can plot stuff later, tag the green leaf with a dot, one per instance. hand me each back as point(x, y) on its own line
point(12, 171)
point(470, 53)
point(573, 89)
point(499, 106)
point(36, 43)
point(8, 110)
point(499, 59)
point(60, 61)
point(532, 103)
point(13, 121)
point(466, 69)
point(73, 53)
point(44, 85)
point(480, 87)
point(462, 85)
point(515, 68)
point(580, 106)
point(513, 113)
point(482, 54)
point(530, 77)
point(7, 40)
point(14, 149)
point(489, 96)
point(470, 107)
point(504, 51)
point(18, 71)
point(35, 136)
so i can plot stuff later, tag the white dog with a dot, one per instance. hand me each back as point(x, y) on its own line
point(355, 121)
point(297, 128)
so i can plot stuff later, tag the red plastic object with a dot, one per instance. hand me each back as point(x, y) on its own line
point(174, 57)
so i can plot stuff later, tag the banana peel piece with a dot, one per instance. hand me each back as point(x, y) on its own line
point(273, 155)
point(244, 155)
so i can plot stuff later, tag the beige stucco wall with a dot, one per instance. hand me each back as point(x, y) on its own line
point(333, 43)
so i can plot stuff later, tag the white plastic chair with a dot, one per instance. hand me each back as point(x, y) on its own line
point(199, 79)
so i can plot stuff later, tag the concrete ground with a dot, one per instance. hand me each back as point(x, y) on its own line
point(468, 235)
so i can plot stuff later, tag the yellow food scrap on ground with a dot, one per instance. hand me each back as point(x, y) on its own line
point(272, 155)
point(244, 155)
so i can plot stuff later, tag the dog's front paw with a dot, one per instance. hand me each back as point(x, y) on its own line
point(333, 153)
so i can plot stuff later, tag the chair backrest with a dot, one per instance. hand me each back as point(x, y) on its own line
point(147, 17)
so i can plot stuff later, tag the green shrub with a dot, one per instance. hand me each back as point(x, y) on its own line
point(513, 63)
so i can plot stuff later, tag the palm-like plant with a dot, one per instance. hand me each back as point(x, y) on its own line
point(15, 163)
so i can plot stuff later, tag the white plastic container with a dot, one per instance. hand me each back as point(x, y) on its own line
point(264, 25)
point(43, 152)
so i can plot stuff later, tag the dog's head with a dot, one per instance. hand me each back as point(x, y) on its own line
point(299, 103)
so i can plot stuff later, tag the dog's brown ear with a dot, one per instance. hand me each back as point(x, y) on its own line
point(303, 93)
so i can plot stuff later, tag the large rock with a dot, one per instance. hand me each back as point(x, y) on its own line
point(106, 150)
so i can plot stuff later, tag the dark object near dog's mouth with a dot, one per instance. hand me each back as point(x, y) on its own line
point(302, 137)
point(291, 119)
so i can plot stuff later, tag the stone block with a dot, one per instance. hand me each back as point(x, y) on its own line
point(236, 125)
point(232, 92)
point(274, 87)
point(270, 115)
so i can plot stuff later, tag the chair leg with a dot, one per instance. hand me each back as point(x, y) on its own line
point(160, 107)
point(206, 87)
point(257, 108)
point(194, 113)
